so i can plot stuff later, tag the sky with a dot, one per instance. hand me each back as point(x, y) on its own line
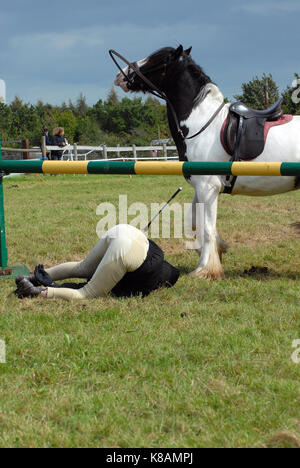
point(56, 50)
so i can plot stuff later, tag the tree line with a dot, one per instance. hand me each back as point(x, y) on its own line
point(124, 121)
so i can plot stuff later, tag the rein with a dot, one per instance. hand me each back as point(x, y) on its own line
point(159, 93)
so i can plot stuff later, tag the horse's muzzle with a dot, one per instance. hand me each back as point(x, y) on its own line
point(122, 82)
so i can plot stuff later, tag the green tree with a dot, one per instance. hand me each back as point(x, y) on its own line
point(67, 120)
point(259, 93)
point(81, 106)
point(88, 132)
point(111, 121)
point(113, 96)
point(291, 97)
point(5, 121)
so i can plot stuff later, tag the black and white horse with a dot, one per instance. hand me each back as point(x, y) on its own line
point(195, 98)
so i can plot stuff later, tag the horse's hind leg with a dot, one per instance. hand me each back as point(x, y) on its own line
point(192, 227)
point(222, 247)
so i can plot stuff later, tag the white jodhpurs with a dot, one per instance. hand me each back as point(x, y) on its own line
point(121, 250)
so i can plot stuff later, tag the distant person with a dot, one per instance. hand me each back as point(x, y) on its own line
point(58, 139)
point(47, 141)
point(47, 136)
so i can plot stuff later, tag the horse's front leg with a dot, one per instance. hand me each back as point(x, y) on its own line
point(207, 192)
point(194, 227)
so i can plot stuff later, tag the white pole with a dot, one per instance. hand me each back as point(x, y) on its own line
point(75, 151)
point(134, 151)
point(165, 152)
point(104, 152)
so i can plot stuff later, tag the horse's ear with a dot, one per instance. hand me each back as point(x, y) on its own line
point(178, 52)
point(188, 51)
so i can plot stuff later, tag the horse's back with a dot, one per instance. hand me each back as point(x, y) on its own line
point(283, 142)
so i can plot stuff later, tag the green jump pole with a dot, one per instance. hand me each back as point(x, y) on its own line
point(3, 248)
point(5, 270)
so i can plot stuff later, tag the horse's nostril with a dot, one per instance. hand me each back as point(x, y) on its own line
point(118, 79)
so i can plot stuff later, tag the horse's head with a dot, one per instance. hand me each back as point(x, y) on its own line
point(155, 68)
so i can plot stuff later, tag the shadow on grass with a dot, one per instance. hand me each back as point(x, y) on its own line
point(262, 275)
point(184, 270)
point(239, 274)
point(296, 227)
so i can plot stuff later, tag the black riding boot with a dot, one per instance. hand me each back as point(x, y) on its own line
point(27, 289)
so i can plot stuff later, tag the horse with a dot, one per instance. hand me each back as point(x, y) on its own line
point(196, 113)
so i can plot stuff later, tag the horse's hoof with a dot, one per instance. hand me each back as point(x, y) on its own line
point(208, 274)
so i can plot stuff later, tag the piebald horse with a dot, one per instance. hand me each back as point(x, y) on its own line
point(193, 98)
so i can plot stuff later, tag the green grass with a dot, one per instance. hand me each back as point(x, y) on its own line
point(203, 364)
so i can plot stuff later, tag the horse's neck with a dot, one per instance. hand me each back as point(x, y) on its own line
point(201, 113)
point(192, 119)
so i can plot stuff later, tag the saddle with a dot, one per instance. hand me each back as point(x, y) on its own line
point(243, 132)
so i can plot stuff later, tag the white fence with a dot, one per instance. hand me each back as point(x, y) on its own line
point(78, 152)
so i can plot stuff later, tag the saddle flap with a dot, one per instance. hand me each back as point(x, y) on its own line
point(229, 133)
point(252, 141)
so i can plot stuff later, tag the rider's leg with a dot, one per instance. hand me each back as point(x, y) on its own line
point(84, 269)
point(123, 255)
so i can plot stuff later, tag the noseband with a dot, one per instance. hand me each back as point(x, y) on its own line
point(158, 92)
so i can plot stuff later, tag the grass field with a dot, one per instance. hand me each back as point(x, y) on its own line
point(203, 364)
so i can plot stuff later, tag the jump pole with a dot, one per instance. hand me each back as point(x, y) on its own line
point(5, 270)
point(272, 169)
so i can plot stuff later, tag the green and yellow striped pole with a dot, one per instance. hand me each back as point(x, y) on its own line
point(153, 168)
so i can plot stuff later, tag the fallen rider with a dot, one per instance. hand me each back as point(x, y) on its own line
point(124, 263)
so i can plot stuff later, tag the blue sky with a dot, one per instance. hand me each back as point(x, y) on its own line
point(55, 50)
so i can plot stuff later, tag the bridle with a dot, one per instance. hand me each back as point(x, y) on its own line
point(158, 92)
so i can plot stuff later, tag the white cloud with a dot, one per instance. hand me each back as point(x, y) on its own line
point(263, 8)
point(102, 35)
point(78, 58)
point(58, 42)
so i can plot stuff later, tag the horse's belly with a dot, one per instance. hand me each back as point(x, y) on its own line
point(263, 186)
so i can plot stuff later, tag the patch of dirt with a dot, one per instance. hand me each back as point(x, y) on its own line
point(265, 237)
point(284, 440)
point(296, 227)
point(170, 247)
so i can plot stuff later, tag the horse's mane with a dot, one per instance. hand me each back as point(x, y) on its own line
point(185, 62)
point(195, 70)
